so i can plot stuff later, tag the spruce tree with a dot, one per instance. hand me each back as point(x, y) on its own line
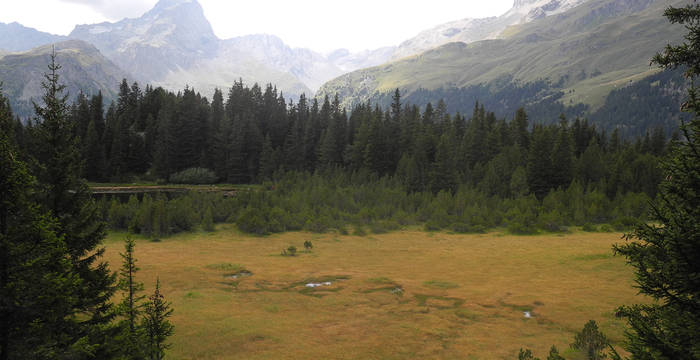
point(156, 324)
point(539, 162)
point(562, 157)
point(665, 253)
point(93, 153)
point(67, 198)
point(38, 288)
point(131, 305)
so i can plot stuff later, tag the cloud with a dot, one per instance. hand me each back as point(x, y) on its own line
point(116, 10)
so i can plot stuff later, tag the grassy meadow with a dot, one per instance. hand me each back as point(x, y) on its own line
point(402, 295)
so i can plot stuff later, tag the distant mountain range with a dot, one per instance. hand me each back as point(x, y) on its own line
point(575, 56)
point(562, 55)
point(470, 30)
point(83, 68)
point(16, 37)
point(173, 45)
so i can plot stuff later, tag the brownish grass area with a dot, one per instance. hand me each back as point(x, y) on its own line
point(403, 295)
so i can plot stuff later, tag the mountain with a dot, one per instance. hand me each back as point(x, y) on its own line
point(83, 68)
point(311, 68)
point(574, 57)
point(471, 30)
point(16, 37)
point(173, 35)
point(348, 61)
point(173, 45)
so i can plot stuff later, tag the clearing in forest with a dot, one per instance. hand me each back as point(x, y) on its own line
point(402, 295)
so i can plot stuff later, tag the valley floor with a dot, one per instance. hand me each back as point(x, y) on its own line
point(402, 295)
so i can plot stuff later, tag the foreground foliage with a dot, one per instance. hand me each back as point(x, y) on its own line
point(666, 255)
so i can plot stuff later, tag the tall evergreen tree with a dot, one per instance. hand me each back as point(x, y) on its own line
point(67, 198)
point(666, 255)
point(562, 157)
point(93, 153)
point(38, 288)
point(158, 327)
point(131, 305)
point(539, 162)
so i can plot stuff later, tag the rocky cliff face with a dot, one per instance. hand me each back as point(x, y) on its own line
point(173, 35)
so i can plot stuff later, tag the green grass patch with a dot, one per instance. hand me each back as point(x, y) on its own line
point(439, 302)
point(466, 314)
point(236, 268)
point(435, 284)
point(380, 280)
point(592, 257)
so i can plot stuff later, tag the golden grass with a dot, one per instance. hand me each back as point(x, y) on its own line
point(403, 295)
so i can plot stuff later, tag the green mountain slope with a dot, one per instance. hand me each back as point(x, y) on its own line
point(581, 55)
point(83, 68)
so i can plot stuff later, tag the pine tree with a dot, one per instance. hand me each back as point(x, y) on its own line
point(131, 304)
point(67, 198)
point(444, 173)
point(519, 127)
point(666, 255)
point(562, 157)
point(38, 289)
point(268, 160)
point(208, 220)
point(156, 324)
point(93, 153)
point(539, 163)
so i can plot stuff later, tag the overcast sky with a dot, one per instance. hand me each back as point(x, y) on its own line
point(321, 25)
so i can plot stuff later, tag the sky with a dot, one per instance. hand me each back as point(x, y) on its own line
point(320, 25)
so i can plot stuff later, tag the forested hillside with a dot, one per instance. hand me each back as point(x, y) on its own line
point(569, 62)
point(248, 135)
point(253, 135)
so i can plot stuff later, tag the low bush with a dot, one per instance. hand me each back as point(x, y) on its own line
point(196, 176)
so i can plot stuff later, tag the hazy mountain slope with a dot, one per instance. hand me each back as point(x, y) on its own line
point(16, 37)
point(83, 68)
point(471, 30)
point(173, 35)
point(311, 68)
point(584, 52)
point(347, 61)
point(173, 45)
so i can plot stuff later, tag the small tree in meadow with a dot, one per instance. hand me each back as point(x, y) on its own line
point(308, 245)
point(591, 342)
point(156, 324)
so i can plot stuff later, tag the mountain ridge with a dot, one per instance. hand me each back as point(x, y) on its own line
point(584, 53)
point(83, 69)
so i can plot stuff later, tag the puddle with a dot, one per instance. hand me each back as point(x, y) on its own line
point(527, 314)
point(238, 275)
point(313, 285)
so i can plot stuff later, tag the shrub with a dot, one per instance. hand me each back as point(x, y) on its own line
point(381, 227)
point(624, 223)
point(308, 245)
point(292, 250)
point(432, 225)
point(588, 227)
point(252, 220)
point(606, 228)
point(461, 228)
point(194, 176)
point(359, 231)
point(208, 220)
